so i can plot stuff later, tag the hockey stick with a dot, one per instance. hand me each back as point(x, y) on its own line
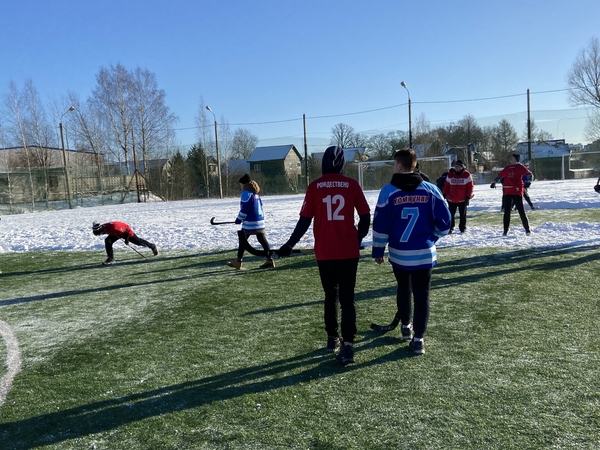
point(386, 328)
point(212, 222)
point(135, 250)
point(253, 251)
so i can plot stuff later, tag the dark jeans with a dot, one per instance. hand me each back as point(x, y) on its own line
point(462, 212)
point(507, 202)
point(110, 240)
point(262, 240)
point(413, 284)
point(338, 278)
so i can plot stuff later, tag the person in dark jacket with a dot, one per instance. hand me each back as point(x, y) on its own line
point(116, 231)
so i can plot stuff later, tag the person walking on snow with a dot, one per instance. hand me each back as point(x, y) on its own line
point(411, 215)
point(331, 200)
point(116, 231)
point(253, 221)
point(513, 188)
point(458, 190)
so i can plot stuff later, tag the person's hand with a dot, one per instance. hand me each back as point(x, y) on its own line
point(126, 239)
point(467, 200)
point(285, 250)
point(238, 221)
point(493, 185)
point(379, 260)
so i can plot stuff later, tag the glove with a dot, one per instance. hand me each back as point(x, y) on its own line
point(238, 221)
point(527, 185)
point(126, 239)
point(493, 185)
point(285, 250)
point(467, 201)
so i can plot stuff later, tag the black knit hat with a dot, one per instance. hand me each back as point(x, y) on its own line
point(333, 160)
point(245, 179)
point(516, 156)
point(459, 163)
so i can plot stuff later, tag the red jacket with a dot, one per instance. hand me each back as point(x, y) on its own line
point(120, 229)
point(458, 186)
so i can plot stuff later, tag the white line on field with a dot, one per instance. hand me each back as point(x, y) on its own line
point(13, 360)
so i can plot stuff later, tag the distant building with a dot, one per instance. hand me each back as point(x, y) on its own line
point(552, 148)
point(276, 160)
point(352, 155)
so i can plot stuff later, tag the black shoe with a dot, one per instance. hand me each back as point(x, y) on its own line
point(406, 331)
point(416, 347)
point(346, 355)
point(333, 344)
point(154, 250)
point(108, 262)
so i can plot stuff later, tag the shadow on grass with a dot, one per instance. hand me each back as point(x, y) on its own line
point(60, 426)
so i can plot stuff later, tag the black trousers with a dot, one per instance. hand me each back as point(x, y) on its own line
point(413, 284)
point(262, 240)
point(110, 240)
point(507, 202)
point(338, 278)
point(462, 212)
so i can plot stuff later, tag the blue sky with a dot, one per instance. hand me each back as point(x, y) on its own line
point(262, 64)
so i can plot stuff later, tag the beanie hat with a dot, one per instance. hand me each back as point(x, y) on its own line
point(333, 160)
point(459, 163)
point(516, 156)
point(245, 179)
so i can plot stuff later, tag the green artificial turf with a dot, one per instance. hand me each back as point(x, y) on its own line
point(181, 351)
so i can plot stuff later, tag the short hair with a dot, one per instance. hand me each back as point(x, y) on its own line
point(407, 158)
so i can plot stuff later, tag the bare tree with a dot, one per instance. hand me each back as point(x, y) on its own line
point(584, 85)
point(584, 77)
point(342, 135)
point(151, 119)
point(243, 144)
point(112, 98)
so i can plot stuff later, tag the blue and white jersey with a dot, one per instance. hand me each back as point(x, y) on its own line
point(410, 222)
point(251, 212)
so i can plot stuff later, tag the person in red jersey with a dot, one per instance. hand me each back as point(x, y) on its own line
point(513, 188)
point(332, 200)
point(116, 231)
point(458, 191)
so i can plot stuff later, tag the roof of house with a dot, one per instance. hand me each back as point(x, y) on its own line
point(544, 149)
point(238, 166)
point(272, 153)
point(350, 154)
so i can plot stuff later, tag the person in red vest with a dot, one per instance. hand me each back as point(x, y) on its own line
point(116, 231)
point(513, 187)
point(458, 190)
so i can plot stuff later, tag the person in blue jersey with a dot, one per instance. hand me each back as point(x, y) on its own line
point(410, 216)
point(253, 221)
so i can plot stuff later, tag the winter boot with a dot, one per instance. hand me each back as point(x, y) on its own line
point(269, 264)
point(235, 264)
point(108, 262)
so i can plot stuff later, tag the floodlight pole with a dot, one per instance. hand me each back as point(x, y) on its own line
point(66, 169)
point(403, 84)
point(218, 154)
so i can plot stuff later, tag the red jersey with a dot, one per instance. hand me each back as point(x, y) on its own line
point(512, 176)
point(120, 229)
point(331, 200)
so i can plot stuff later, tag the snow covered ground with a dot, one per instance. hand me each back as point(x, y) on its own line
point(186, 224)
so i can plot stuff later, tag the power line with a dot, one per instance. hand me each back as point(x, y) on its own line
point(435, 102)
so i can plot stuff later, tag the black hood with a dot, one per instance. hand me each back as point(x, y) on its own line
point(333, 160)
point(408, 182)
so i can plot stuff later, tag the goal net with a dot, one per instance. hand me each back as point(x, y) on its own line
point(376, 174)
